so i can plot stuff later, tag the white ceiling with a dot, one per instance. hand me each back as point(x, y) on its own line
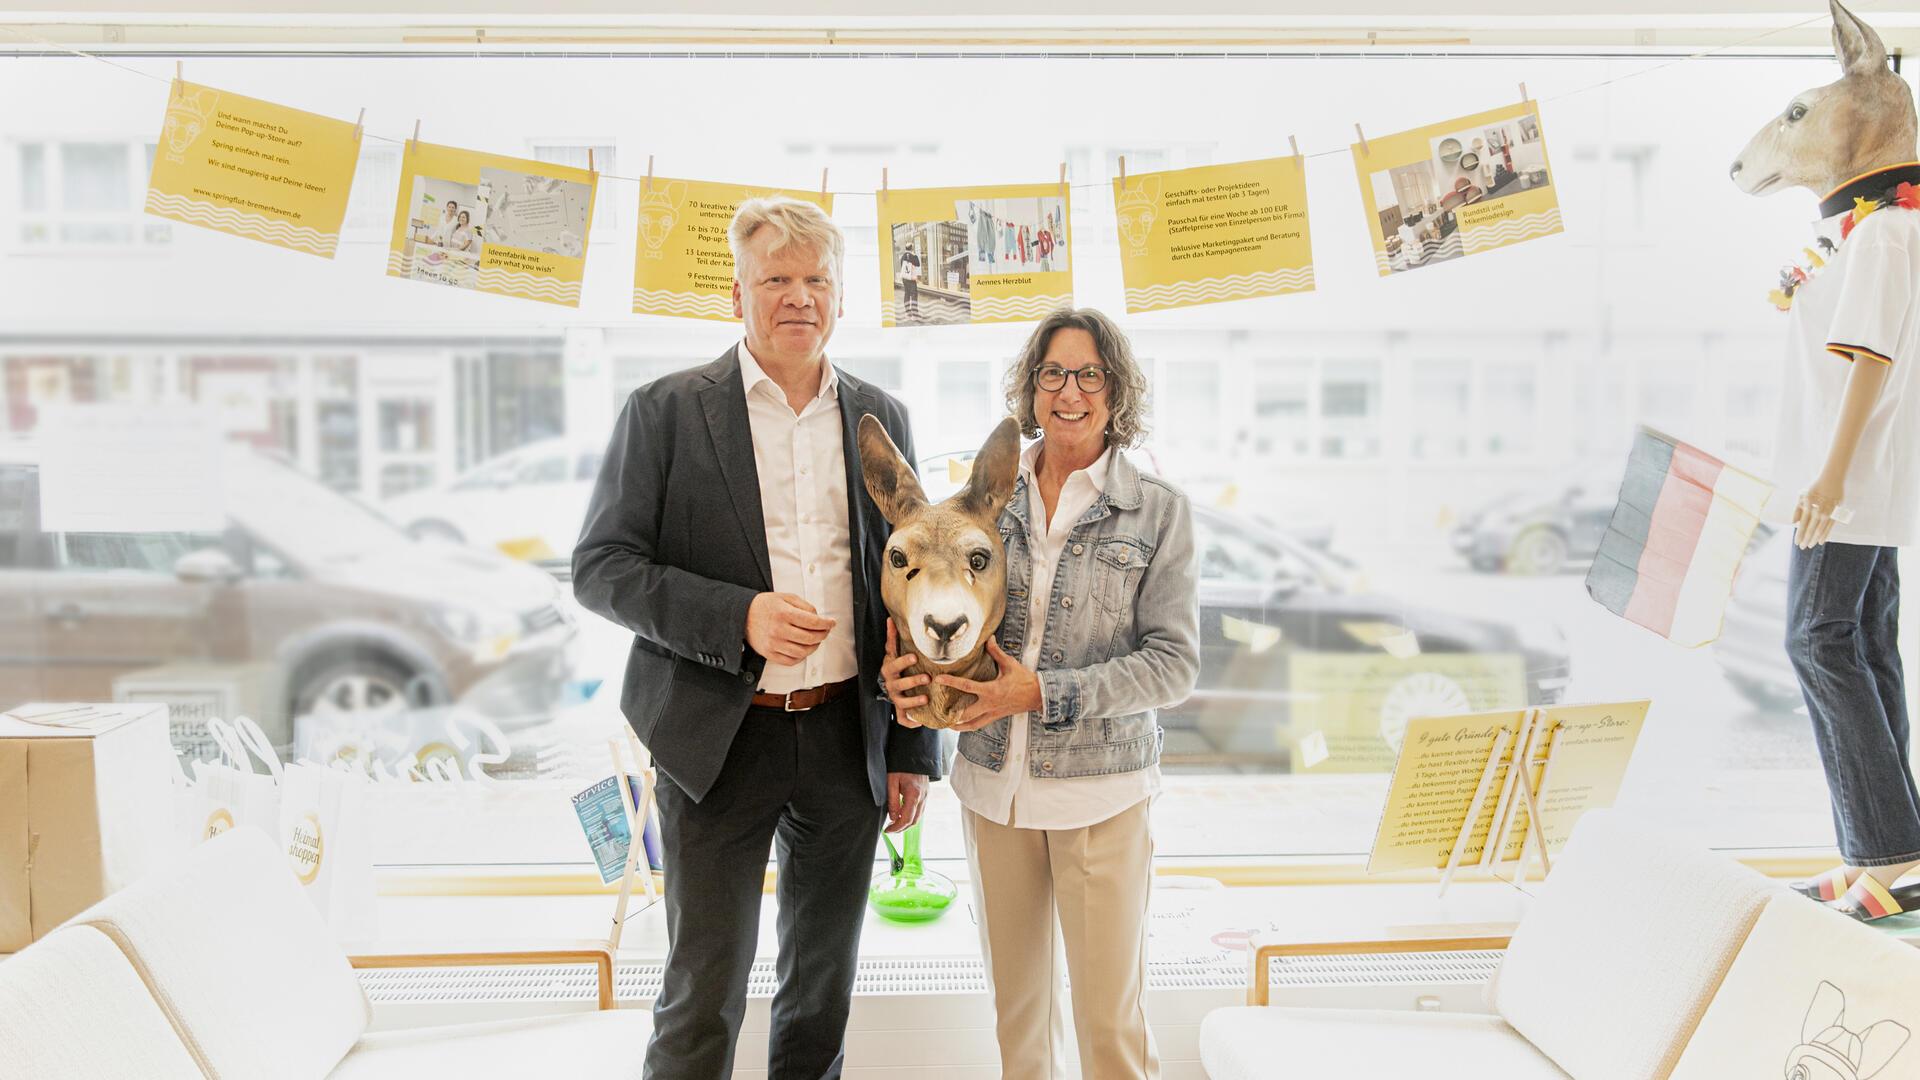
point(623, 10)
point(1676, 24)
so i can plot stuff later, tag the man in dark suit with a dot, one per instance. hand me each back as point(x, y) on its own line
point(731, 532)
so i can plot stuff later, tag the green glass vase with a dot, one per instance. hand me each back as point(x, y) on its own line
point(908, 892)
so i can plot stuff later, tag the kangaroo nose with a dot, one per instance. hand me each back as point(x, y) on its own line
point(946, 632)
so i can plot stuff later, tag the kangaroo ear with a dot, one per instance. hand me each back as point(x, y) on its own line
point(889, 479)
point(1151, 187)
point(676, 191)
point(995, 469)
point(1828, 1009)
point(1878, 1044)
point(1858, 48)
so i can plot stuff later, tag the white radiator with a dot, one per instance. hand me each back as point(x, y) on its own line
point(929, 1018)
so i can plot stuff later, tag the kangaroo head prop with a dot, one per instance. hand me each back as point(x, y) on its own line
point(1830, 134)
point(943, 575)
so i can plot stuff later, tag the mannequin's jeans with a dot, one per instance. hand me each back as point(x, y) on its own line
point(1843, 613)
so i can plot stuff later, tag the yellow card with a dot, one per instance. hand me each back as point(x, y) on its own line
point(682, 264)
point(1218, 232)
point(490, 223)
point(1441, 762)
point(974, 255)
point(1363, 701)
point(1437, 193)
point(251, 168)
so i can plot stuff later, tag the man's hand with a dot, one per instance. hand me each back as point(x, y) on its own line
point(784, 628)
point(897, 683)
point(1015, 690)
point(906, 796)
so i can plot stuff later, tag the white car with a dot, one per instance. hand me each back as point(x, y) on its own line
point(527, 503)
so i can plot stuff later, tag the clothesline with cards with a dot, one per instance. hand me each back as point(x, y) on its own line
point(1579, 91)
point(474, 220)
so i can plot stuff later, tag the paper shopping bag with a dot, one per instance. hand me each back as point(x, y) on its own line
point(229, 792)
point(325, 831)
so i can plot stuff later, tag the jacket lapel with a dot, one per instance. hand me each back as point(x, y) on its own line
point(725, 403)
point(855, 402)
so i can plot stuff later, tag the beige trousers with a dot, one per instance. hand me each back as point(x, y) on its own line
point(1039, 890)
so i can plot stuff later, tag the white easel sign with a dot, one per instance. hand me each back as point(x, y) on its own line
point(1491, 789)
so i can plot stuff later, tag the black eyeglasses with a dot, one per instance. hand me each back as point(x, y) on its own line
point(1053, 377)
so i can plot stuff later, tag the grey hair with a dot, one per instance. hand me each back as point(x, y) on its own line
point(1126, 384)
point(793, 221)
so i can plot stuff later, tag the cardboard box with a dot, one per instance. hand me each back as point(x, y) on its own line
point(86, 806)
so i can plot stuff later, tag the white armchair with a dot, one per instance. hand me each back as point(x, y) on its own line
point(1605, 978)
point(221, 968)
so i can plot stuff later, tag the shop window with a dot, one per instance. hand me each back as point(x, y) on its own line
point(1283, 408)
point(1441, 410)
point(1511, 409)
point(1350, 409)
point(406, 426)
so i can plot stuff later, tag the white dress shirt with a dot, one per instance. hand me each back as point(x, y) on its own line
point(1013, 796)
point(803, 497)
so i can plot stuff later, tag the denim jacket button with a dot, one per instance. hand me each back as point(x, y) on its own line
point(1059, 657)
point(1079, 549)
point(1046, 766)
point(1067, 601)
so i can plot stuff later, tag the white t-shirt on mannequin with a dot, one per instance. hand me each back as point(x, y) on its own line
point(1860, 307)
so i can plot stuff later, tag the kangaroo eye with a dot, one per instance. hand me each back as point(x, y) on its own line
point(1796, 112)
point(978, 560)
point(897, 558)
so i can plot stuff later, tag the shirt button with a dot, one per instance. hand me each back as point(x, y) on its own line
point(812, 568)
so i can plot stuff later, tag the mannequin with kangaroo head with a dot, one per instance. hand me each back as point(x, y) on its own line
point(1848, 453)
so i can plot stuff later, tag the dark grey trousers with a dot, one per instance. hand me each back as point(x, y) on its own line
point(798, 782)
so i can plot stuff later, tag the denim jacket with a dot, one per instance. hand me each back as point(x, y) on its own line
point(1122, 633)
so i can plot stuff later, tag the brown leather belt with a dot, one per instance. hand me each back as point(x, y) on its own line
point(801, 700)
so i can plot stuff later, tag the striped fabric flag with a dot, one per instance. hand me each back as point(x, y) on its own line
point(1676, 539)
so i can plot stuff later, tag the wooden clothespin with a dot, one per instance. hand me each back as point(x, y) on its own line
point(883, 183)
point(416, 133)
point(179, 67)
point(360, 126)
point(823, 192)
point(1364, 148)
point(1063, 187)
point(1523, 93)
point(590, 167)
point(649, 180)
point(1123, 173)
point(1298, 161)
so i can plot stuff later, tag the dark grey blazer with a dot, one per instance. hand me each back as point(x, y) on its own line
point(674, 548)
